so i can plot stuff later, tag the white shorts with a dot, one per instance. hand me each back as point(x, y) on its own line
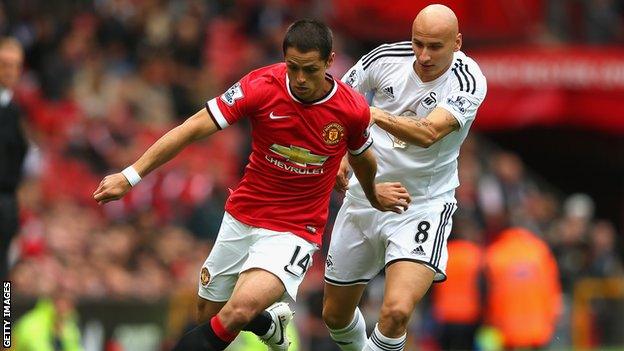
point(240, 247)
point(365, 240)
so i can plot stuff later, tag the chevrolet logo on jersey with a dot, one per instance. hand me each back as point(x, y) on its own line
point(298, 155)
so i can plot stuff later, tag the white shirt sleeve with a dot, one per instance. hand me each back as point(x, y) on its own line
point(468, 90)
point(358, 79)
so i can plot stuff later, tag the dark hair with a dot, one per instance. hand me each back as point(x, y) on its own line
point(308, 35)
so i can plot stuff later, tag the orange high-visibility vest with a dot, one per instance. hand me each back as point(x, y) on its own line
point(524, 294)
point(458, 299)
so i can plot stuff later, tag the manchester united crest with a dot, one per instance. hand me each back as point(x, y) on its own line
point(205, 276)
point(333, 133)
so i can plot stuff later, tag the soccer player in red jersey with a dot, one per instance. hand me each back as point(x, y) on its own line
point(303, 122)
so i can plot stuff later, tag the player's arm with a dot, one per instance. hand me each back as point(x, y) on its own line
point(385, 196)
point(196, 127)
point(423, 132)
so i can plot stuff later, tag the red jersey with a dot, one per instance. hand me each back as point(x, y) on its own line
point(296, 149)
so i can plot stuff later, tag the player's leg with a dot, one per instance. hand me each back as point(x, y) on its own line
point(342, 317)
point(415, 256)
point(255, 290)
point(354, 258)
point(217, 279)
point(287, 257)
point(207, 309)
point(406, 284)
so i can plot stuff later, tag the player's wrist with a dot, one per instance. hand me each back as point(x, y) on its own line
point(132, 176)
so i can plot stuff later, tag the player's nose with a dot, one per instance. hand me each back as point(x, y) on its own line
point(300, 78)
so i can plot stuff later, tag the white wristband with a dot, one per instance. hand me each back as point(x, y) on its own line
point(131, 175)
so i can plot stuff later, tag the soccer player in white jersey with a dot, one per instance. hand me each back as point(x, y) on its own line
point(431, 92)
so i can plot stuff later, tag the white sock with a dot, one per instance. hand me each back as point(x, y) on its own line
point(353, 336)
point(379, 342)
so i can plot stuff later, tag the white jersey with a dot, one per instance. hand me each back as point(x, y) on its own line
point(388, 75)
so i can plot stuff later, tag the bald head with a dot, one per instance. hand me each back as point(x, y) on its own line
point(436, 20)
point(435, 38)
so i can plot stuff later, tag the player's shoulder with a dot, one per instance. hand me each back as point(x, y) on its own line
point(268, 74)
point(350, 101)
point(389, 53)
point(461, 59)
point(466, 74)
point(349, 97)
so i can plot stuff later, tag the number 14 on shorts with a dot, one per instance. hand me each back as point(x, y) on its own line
point(298, 265)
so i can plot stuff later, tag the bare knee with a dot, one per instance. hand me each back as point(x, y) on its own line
point(394, 318)
point(236, 315)
point(336, 318)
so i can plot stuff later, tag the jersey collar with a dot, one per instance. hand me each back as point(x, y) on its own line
point(318, 101)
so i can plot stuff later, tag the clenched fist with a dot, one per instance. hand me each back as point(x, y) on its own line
point(112, 187)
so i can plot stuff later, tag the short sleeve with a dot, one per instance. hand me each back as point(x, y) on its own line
point(235, 103)
point(468, 90)
point(363, 75)
point(360, 139)
point(358, 79)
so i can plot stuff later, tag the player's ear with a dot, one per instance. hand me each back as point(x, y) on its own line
point(330, 60)
point(458, 42)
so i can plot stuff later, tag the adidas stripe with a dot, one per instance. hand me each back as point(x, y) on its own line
point(464, 77)
point(387, 50)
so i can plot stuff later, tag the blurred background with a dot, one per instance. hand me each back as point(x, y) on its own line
point(104, 79)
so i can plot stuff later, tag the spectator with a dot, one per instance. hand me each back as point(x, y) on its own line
point(524, 295)
point(457, 305)
point(13, 145)
point(51, 325)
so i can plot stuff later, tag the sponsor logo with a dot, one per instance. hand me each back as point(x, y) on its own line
point(311, 229)
point(460, 104)
point(429, 101)
point(205, 276)
point(351, 79)
point(231, 95)
point(293, 169)
point(333, 133)
point(274, 116)
point(298, 155)
point(418, 251)
point(389, 92)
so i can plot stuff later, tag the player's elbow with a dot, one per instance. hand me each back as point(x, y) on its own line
point(427, 139)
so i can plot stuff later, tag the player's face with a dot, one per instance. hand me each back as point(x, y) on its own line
point(306, 72)
point(10, 66)
point(434, 51)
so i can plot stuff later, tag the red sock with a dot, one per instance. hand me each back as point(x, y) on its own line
point(220, 330)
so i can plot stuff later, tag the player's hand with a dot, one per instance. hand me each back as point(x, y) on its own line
point(112, 187)
point(392, 197)
point(342, 178)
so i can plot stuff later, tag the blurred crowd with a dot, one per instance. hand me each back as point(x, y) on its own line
point(104, 79)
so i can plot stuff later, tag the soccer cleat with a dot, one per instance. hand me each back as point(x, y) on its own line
point(281, 316)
